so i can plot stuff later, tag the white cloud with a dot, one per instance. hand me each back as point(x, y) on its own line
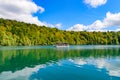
point(23, 10)
point(41, 9)
point(118, 29)
point(111, 20)
point(95, 3)
point(20, 10)
point(58, 25)
point(77, 27)
point(96, 25)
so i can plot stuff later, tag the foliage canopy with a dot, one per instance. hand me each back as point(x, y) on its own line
point(13, 33)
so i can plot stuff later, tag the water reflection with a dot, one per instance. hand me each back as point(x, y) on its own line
point(111, 65)
point(20, 74)
point(73, 63)
point(69, 71)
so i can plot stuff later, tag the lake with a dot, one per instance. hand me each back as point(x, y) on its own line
point(85, 62)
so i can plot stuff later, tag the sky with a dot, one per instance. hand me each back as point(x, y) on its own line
point(71, 15)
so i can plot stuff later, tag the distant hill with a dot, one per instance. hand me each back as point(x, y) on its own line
point(13, 33)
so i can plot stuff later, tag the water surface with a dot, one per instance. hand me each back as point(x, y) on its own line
point(87, 62)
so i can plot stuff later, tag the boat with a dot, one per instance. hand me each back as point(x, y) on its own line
point(61, 45)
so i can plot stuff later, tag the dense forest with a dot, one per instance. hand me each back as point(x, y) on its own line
point(13, 33)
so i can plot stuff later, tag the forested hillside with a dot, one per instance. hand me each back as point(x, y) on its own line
point(13, 33)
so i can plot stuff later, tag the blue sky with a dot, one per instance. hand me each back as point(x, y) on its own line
point(76, 15)
point(71, 12)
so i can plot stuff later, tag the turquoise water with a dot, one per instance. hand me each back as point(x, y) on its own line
point(85, 62)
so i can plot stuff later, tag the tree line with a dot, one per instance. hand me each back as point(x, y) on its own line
point(14, 33)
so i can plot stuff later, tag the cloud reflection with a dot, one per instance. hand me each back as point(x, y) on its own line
point(21, 74)
point(112, 65)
